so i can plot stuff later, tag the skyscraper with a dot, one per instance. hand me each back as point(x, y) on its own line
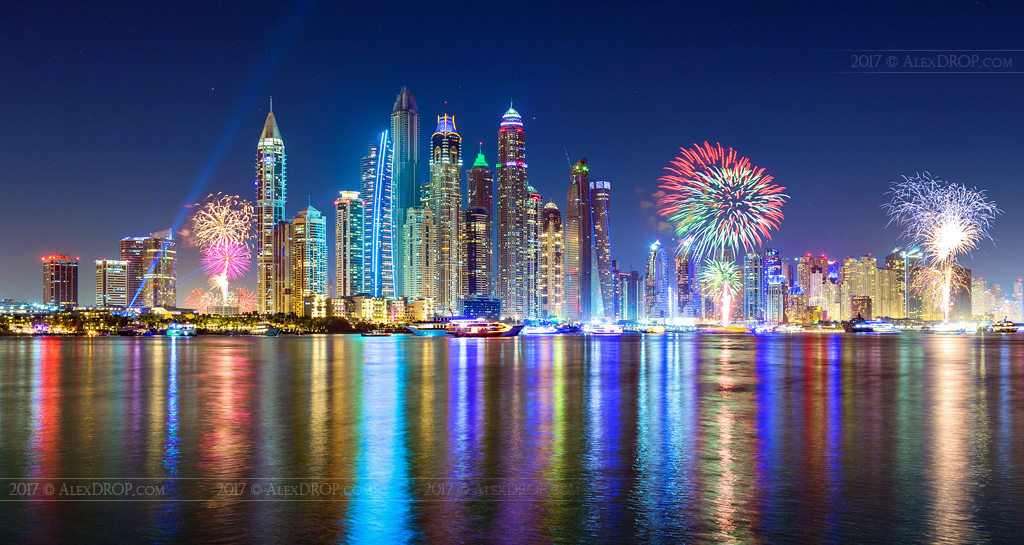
point(480, 182)
point(421, 242)
point(377, 194)
point(552, 283)
point(753, 287)
point(602, 282)
point(160, 261)
point(132, 251)
point(512, 201)
point(281, 283)
point(348, 244)
point(475, 251)
point(532, 251)
point(445, 203)
point(111, 283)
point(308, 257)
point(271, 184)
point(60, 281)
point(405, 136)
point(657, 289)
point(578, 241)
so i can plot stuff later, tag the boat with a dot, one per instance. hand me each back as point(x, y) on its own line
point(135, 330)
point(481, 328)
point(181, 330)
point(603, 329)
point(860, 325)
point(1004, 326)
point(656, 330)
point(948, 329)
point(732, 329)
point(265, 330)
point(539, 330)
point(376, 333)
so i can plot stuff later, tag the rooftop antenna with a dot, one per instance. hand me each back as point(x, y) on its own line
point(271, 104)
point(567, 160)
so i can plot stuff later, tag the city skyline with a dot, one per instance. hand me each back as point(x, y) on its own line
point(805, 118)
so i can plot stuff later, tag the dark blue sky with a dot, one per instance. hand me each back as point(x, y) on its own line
point(113, 118)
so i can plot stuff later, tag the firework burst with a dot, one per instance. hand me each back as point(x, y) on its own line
point(720, 200)
point(200, 300)
point(946, 220)
point(723, 279)
point(222, 228)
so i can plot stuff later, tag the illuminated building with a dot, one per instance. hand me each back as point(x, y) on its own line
point(480, 182)
point(532, 253)
point(860, 306)
point(796, 305)
point(511, 215)
point(132, 250)
point(60, 281)
point(445, 203)
point(753, 287)
point(578, 236)
point(308, 257)
point(281, 283)
point(348, 244)
point(405, 138)
point(687, 283)
point(376, 192)
point(601, 281)
point(111, 283)
point(1018, 299)
point(475, 246)
point(271, 194)
point(160, 261)
point(421, 242)
point(480, 307)
point(552, 283)
point(631, 292)
point(776, 290)
point(657, 288)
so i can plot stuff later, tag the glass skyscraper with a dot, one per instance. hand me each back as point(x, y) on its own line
point(512, 202)
point(405, 138)
point(446, 203)
point(378, 225)
point(271, 185)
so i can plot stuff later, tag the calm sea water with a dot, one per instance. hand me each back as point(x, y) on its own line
point(813, 438)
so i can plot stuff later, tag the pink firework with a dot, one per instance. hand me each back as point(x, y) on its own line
point(244, 299)
point(200, 300)
point(226, 257)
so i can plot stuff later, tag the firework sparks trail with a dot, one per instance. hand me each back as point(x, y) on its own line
point(724, 279)
point(200, 300)
point(946, 219)
point(718, 201)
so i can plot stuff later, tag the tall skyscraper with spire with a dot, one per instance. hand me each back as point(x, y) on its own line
point(271, 185)
point(405, 137)
point(579, 233)
point(376, 191)
point(512, 202)
point(446, 203)
point(478, 230)
point(603, 280)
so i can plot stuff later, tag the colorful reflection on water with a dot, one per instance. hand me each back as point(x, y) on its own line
point(397, 439)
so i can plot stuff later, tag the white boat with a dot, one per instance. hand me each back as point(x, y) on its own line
point(266, 330)
point(539, 330)
point(481, 328)
point(602, 329)
point(1005, 326)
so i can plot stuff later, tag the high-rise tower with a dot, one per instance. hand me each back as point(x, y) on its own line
point(511, 214)
point(348, 244)
point(552, 284)
point(160, 261)
point(531, 252)
point(271, 184)
point(308, 257)
point(578, 236)
point(602, 283)
point(445, 203)
point(405, 138)
point(377, 195)
point(60, 281)
point(657, 290)
point(478, 247)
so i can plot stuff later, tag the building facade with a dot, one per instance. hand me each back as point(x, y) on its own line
point(511, 215)
point(349, 248)
point(657, 292)
point(376, 192)
point(480, 182)
point(421, 241)
point(604, 290)
point(552, 282)
point(405, 138)
point(160, 261)
point(111, 283)
point(60, 281)
point(578, 236)
point(446, 203)
point(271, 194)
point(308, 257)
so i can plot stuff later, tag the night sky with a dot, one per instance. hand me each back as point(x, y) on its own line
point(111, 119)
